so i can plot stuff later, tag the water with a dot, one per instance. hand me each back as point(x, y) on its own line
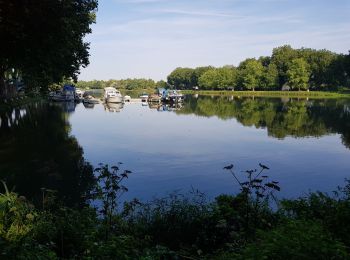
point(304, 142)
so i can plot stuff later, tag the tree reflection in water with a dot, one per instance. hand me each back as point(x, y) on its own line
point(37, 151)
point(281, 117)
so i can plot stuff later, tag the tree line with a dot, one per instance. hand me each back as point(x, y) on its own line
point(128, 84)
point(286, 68)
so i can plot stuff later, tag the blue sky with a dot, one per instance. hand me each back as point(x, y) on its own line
point(150, 38)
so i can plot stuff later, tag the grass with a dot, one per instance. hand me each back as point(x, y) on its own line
point(301, 94)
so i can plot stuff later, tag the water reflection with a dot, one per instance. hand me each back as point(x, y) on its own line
point(281, 117)
point(38, 152)
point(113, 107)
point(188, 146)
point(165, 107)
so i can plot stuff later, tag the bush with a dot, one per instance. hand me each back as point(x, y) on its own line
point(295, 240)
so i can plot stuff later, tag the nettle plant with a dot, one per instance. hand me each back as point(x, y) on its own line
point(257, 192)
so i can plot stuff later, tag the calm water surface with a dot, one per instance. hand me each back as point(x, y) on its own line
point(304, 142)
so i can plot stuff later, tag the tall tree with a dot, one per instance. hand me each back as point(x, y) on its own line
point(269, 79)
point(44, 40)
point(281, 57)
point(181, 78)
point(250, 73)
point(298, 74)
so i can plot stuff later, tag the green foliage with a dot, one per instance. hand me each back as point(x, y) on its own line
point(298, 74)
point(17, 216)
point(109, 189)
point(128, 84)
point(182, 78)
point(295, 240)
point(332, 212)
point(269, 78)
point(325, 70)
point(220, 78)
point(250, 74)
point(187, 227)
point(256, 194)
point(45, 42)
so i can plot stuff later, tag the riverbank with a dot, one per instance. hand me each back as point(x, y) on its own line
point(295, 94)
point(180, 226)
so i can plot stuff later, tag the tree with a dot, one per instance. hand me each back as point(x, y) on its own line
point(181, 78)
point(251, 72)
point(281, 57)
point(161, 84)
point(44, 40)
point(269, 78)
point(218, 78)
point(198, 72)
point(298, 74)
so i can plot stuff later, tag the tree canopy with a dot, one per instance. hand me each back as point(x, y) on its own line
point(298, 74)
point(326, 71)
point(43, 41)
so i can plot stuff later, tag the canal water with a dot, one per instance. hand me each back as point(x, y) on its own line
point(305, 143)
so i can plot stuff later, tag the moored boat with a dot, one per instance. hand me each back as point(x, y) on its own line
point(127, 99)
point(79, 95)
point(154, 98)
point(112, 95)
point(172, 96)
point(66, 94)
point(144, 97)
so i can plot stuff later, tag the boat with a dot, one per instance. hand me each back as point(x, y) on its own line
point(112, 95)
point(172, 96)
point(90, 100)
point(144, 97)
point(66, 94)
point(127, 99)
point(79, 95)
point(155, 98)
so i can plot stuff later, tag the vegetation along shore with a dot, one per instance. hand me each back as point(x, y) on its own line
point(179, 226)
point(286, 69)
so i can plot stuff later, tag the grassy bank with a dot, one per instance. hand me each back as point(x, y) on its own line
point(296, 94)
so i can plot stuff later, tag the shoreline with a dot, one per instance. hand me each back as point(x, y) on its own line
point(297, 94)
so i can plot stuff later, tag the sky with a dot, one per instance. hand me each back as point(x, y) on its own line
point(150, 38)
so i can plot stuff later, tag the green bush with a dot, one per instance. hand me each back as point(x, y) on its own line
point(295, 240)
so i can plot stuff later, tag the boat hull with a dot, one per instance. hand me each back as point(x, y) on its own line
point(62, 98)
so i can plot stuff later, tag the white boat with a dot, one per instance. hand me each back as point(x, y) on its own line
point(79, 94)
point(144, 97)
point(112, 95)
point(127, 98)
